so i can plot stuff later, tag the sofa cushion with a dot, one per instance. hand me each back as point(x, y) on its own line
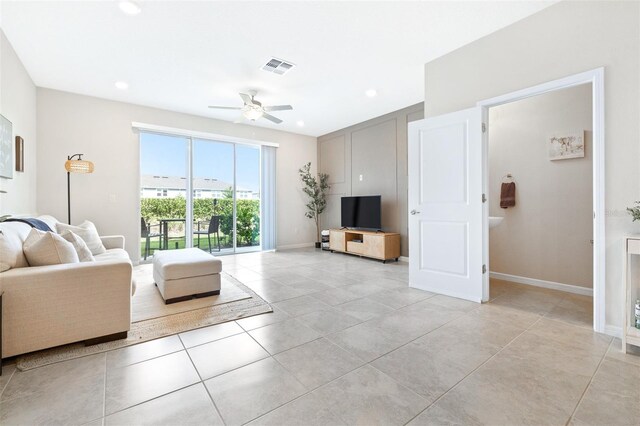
point(47, 248)
point(112, 254)
point(88, 232)
point(84, 254)
point(11, 240)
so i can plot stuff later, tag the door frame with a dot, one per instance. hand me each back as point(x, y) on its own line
point(596, 78)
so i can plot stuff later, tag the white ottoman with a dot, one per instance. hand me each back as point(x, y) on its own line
point(185, 274)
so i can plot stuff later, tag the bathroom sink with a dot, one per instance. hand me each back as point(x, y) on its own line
point(494, 221)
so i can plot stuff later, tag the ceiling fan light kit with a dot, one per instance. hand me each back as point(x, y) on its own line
point(253, 110)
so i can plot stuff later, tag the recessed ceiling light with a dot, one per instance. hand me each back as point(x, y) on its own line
point(300, 123)
point(121, 85)
point(371, 93)
point(129, 7)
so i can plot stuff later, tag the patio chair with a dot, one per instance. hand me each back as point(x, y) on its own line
point(214, 228)
point(145, 232)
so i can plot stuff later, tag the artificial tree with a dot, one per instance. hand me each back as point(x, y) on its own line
point(635, 211)
point(316, 190)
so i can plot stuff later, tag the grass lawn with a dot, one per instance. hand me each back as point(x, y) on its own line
point(179, 242)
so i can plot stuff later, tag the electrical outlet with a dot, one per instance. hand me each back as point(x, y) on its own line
point(360, 178)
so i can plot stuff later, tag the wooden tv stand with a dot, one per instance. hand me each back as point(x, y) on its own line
point(377, 245)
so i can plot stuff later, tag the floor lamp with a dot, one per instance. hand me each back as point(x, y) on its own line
point(75, 166)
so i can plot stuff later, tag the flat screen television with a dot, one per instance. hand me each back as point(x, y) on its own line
point(362, 212)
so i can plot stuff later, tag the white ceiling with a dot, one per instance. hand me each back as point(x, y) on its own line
point(183, 56)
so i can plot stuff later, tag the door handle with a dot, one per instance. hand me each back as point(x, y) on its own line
point(414, 211)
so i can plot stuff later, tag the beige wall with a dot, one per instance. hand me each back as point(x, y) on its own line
point(564, 39)
point(101, 129)
point(18, 105)
point(375, 150)
point(547, 235)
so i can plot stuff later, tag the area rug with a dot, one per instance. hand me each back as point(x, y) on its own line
point(153, 328)
point(148, 302)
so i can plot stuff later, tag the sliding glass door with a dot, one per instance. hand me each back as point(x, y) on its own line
point(163, 193)
point(213, 201)
point(199, 193)
point(247, 197)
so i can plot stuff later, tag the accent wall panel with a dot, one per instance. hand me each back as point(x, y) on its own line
point(374, 169)
point(332, 159)
point(377, 149)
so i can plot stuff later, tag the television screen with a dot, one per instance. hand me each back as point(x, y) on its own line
point(362, 212)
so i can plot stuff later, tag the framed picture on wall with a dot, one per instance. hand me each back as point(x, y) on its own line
point(19, 154)
point(6, 148)
point(566, 146)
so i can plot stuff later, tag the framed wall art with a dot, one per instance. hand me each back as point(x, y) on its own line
point(566, 146)
point(19, 154)
point(6, 148)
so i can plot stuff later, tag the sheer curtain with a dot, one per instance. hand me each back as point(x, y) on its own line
point(268, 215)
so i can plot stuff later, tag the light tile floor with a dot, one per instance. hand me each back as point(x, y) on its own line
point(349, 343)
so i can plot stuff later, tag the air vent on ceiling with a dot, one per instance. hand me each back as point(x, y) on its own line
point(277, 66)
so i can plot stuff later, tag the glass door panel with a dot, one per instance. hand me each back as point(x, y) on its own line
point(163, 189)
point(213, 201)
point(247, 197)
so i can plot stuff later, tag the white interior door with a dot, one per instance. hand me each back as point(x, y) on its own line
point(446, 204)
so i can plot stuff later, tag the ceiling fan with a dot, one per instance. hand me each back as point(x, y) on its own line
point(252, 109)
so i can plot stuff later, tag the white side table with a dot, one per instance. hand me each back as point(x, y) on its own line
point(1, 293)
point(630, 334)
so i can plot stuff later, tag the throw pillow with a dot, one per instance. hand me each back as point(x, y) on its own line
point(7, 253)
point(11, 238)
point(47, 248)
point(84, 254)
point(88, 232)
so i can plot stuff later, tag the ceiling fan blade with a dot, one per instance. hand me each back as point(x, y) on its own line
point(278, 108)
point(239, 119)
point(246, 98)
point(271, 118)
point(223, 107)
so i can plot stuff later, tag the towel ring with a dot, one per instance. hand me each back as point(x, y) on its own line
point(508, 178)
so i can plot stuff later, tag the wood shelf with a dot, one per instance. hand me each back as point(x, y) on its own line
point(377, 245)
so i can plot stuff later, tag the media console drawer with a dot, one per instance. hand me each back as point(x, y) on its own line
point(378, 245)
point(356, 247)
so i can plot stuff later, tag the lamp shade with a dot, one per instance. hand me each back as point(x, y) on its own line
point(252, 112)
point(78, 166)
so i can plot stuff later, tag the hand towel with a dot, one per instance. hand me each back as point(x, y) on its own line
point(508, 195)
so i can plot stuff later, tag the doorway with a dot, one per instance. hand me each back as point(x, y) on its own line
point(540, 198)
point(595, 78)
point(448, 183)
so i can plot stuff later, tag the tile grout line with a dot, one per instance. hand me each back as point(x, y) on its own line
point(307, 392)
point(150, 399)
point(475, 369)
point(575, 409)
point(200, 377)
point(8, 381)
point(365, 364)
point(104, 394)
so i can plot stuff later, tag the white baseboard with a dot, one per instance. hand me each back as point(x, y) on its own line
point(614, 331)
point(295, 246)
point(404, 259)
point(542, 283)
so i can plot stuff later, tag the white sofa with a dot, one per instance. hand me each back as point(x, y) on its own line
point(47, 306)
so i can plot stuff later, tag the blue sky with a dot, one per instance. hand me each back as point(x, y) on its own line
point(162, 155)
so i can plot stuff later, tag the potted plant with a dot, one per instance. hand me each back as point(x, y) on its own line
point(316, 190)
point(635, 211)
